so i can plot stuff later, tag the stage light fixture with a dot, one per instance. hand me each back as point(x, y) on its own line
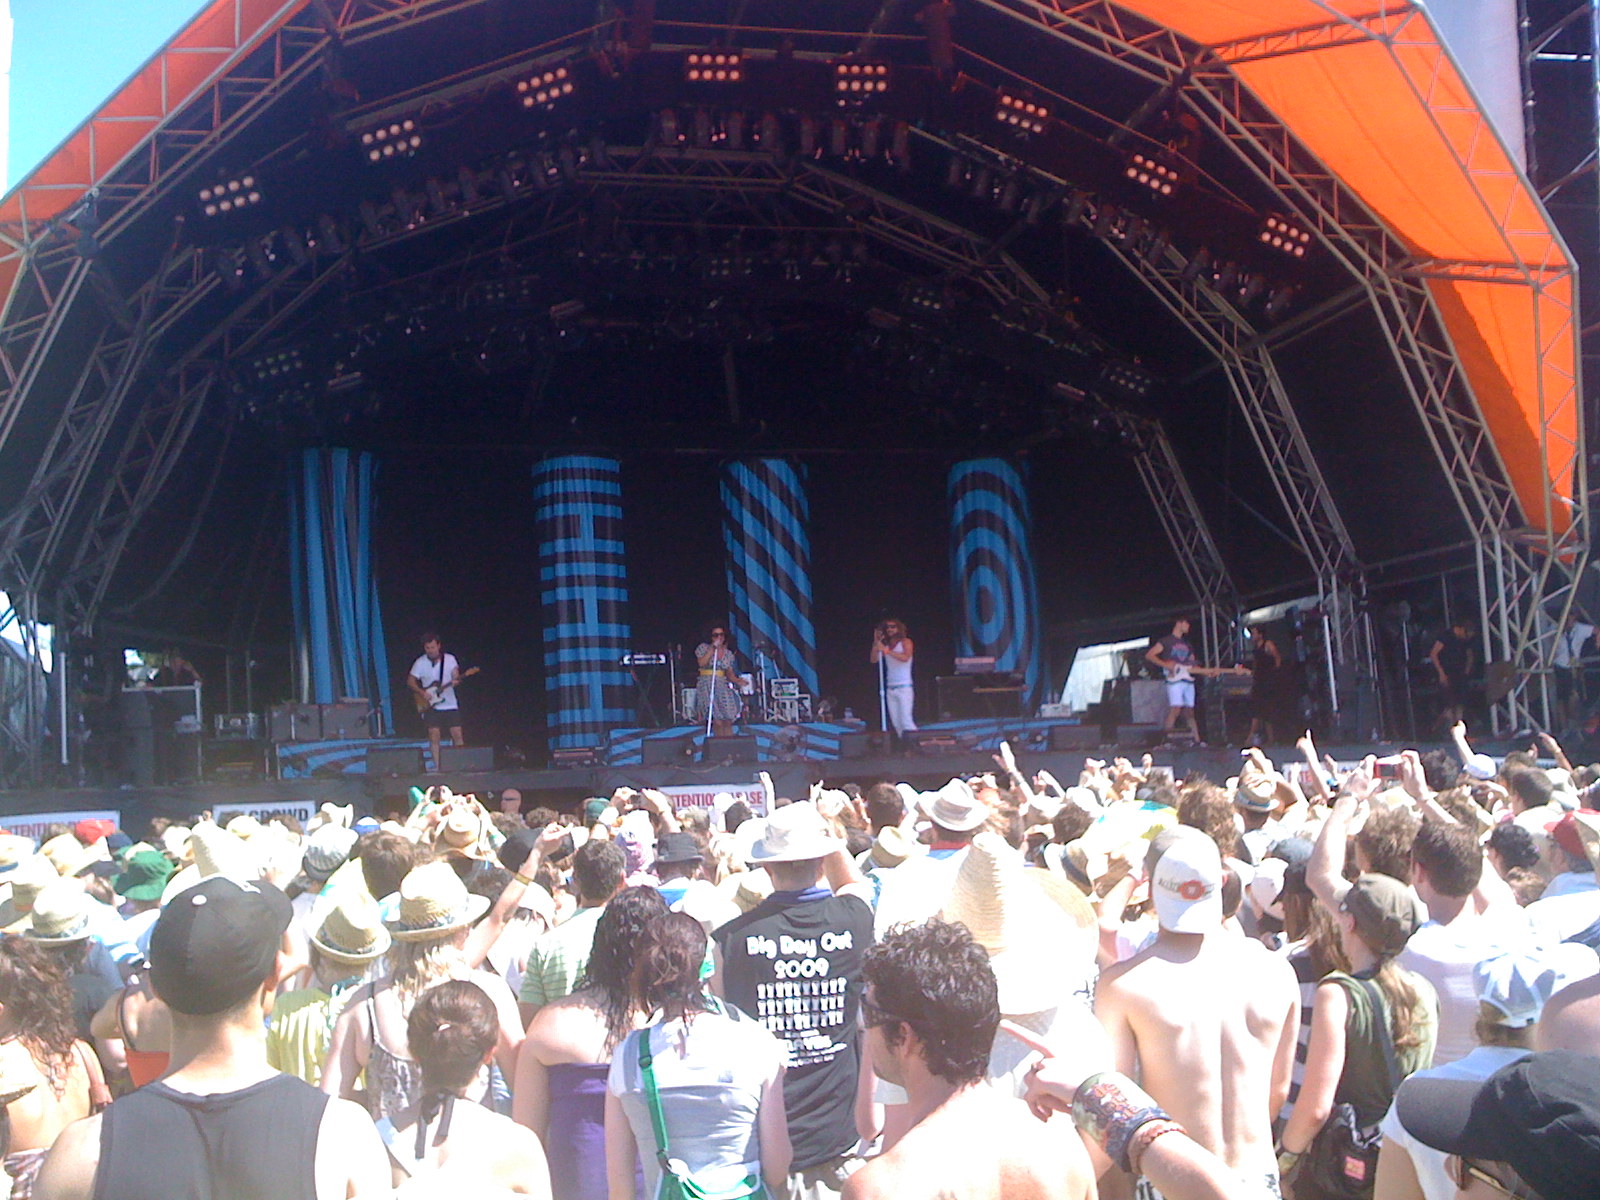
point(856, 81)
point(328, 228)
point(545, 88)
point(1253, 287)
point(1285, 236)
point(1148, 172)
point(928, 298)
point(295, 242)
point(714, 66)
point(1199, 264)
point(1227, 276)
point(668, 128)
point(263, 256)
point(1278, 302)
point(1077, 204)
point(229, 195)
point(1126, 379)
point(276, 365)
point(900, 146)
point(467, 181)
point(1021, 113)
point(397, 139)
point(1105, 219)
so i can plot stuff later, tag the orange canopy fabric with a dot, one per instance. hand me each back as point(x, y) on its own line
point(1367, 87)
point(1371, 91)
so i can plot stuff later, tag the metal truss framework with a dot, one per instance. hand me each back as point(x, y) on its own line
point(1526, 578)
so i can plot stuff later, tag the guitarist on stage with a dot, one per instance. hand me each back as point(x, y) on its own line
point(1175, 656)
point(433, 682)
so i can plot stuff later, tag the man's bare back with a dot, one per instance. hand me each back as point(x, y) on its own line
point(1207, 1023)
point(979, 1145)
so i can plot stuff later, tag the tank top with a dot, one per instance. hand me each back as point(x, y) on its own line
point(259, 1143)
point(897, 673)
point(144, 1066)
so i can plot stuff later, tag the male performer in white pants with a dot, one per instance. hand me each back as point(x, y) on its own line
point(889, 642)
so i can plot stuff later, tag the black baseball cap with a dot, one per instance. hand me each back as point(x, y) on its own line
point(215, 943)
point(1540, 1115)
point(678, 848)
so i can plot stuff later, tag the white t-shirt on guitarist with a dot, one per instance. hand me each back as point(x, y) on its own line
point(429, 673)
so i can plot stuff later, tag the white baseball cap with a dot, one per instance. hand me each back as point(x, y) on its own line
point(1519, 983)
point(1186, 885)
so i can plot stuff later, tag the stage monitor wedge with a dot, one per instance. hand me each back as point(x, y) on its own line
point(738, 749)
point(1076, 737)
point(666, 751)
point(466, 758)
point(402, 761)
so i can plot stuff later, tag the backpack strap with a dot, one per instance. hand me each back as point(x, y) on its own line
point(1384, 1029)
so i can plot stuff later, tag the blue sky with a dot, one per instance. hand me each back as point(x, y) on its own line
point(67, 58)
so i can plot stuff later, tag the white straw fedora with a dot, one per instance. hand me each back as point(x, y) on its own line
point(954, 807)
point(434, 903)
point(794, 833)
point(60, 915)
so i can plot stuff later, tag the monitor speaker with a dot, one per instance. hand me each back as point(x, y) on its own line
point(740, 749)
point(394, 760)
point(665, 751)
point(466, 759)
point(1075, 737)
point(854, 745)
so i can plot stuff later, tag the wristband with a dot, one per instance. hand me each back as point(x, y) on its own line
point(1287, 1160)
point(1110, 1108)
point(522, 879)
point(1143, 1136)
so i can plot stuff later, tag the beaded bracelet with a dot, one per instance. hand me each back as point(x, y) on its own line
point(1143, 1136)
point(1110, 1108)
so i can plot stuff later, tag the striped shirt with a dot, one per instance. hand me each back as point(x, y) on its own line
point(558, 959)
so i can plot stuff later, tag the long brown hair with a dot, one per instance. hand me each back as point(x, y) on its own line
point(38, 1000)
point(666, 973)
point(1399, 989)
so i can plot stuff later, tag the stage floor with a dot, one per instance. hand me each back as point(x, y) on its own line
point(565, 789)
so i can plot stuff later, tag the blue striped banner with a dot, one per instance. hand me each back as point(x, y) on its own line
point(766, 522)
point(586, 629)
point(991, 569)
point(337, 619)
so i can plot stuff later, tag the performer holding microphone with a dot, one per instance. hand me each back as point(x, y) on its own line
point(892, 651)
point(717, 689)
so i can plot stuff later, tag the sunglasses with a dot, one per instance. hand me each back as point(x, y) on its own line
point(1464, 1171)
point(871, 1016)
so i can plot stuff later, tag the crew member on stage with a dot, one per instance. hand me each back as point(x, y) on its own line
point(717, 689)
point(1268, 691)
point(433, 682)
point(893, 647)
point(1453, 657)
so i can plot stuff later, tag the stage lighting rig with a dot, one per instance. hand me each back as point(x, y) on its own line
point(1021, 113)
point(229, 195)
point(1148, 171)
point(856, 81)
point(277, 366)
point(1284, 235)
point(714, 66)
point(395, 139)
point(544, 89)
point(1127, 380)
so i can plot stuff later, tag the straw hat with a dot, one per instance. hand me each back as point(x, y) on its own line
point(955, 807)
point(60, 914)
point(353, 931)
point(463, 833)
point(175, 841)
point(13, 849)
point(216, 852)
point(434, 903)
point(31, 877)
point(1026, 934)
point(69, 856)
point(751, 889)
point(891, 847)
point(243, 826)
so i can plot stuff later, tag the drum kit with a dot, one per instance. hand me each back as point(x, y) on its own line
point(767, 697)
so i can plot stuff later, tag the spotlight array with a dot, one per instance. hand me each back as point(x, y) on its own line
point(398, 139)
point(1281, 235)
point(544, 89)
point(229, 196)
point(855, 82)
point(1027, 116)
point(277, 365)
point(1147, 172)
point(714, 66)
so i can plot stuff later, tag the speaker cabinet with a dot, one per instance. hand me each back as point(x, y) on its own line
point(466, 759)
point(854, 745)
point(665, 751)
point(738, 749)
point(1075, 737)
point(394, 760)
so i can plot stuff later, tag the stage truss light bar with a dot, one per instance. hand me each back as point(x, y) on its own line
point(544, 89)
point(1151, 173)
point(1284, 235)
point(856, 81)
point(279, 364)
point(1126, 379)
point(714, 66)
point(229, 195)
point(1021, 113)
point(397, 139)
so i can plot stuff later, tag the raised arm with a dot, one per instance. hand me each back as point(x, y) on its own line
point(1325, 871)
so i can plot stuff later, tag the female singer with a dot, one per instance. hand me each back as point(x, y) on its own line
point(718, 685)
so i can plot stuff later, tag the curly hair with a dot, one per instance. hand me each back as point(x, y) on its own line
point(666, 973)
point(33, 987)
point(610, 968)
point(1209, 810)
point(936, 979)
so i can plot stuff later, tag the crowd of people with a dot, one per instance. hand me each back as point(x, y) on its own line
point(1299, 981)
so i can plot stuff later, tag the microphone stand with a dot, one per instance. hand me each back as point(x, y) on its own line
point(883, 687)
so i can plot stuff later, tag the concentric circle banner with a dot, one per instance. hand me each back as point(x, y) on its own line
point(991, 569)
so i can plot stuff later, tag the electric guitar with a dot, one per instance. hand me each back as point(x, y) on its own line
point(432, 693)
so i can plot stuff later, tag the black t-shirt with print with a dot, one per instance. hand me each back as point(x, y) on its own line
point(796, 968)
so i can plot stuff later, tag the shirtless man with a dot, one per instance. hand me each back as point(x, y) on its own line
point(930, 1012)
point(1218, 1059)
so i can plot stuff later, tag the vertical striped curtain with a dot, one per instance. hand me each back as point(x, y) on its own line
point(991, 567)
point(766, 523)
point(338, 624)
point(583, 587)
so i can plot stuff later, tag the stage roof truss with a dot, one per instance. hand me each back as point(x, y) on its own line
point(1495, 507)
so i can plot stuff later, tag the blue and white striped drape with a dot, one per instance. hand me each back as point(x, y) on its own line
point(337, 620)
point(991, 566)
point(766, 529)
point(583, 587)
